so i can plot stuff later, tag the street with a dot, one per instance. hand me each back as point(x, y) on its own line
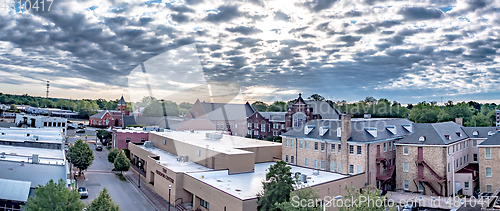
point(99, 175)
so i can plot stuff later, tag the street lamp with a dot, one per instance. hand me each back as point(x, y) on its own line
point(169, 192)
point(139, 174)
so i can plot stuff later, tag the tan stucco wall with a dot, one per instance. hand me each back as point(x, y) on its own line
point(492, 163)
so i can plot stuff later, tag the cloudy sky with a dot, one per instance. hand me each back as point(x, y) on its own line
point(407, 51)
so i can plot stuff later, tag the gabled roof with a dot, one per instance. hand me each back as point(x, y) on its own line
point(435, 134)
point(273, 116)
point(99, 115)
point(482, 132)
point(324, 109)
point(122, 101)
point(223, 111)
point(14, 190)
point(492, 140)
point(359, 128)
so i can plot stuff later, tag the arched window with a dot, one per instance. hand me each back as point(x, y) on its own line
point(298, 118)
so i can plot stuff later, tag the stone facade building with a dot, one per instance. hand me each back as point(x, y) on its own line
point(348, 146)
point(489, 160)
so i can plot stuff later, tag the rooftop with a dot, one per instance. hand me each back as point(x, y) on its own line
point(37, 174)
point(45, 156)
point(46, 135)
point(14, 190)
point(247, 185)
point(227, 144)
point(169, 160)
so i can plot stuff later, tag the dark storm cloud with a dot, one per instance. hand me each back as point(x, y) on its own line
point(421, 13)
point(244, 30)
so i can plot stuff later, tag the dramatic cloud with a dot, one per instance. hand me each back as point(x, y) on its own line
point(400, 50)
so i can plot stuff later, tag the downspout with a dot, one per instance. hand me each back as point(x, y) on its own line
point(296, 153)
point(368, 163)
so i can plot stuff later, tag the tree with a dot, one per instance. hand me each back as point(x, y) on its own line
point(277, 186)
point(478, 120)
point(103, 202)
point(13, 107)
point(103, 135)
point(112, 155)
point(154, 109)
point(316, 97)
point(54, 196)
point(80, 155)
point(259, 106)
point(122, 163)
point(307, 195)
point(366, 193)
point(277, 106)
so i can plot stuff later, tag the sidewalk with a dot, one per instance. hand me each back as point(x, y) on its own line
point(157, 201)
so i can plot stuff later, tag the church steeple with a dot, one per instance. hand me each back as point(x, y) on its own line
point(122, 106)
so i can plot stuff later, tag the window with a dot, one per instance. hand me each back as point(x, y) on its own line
point(306, 162)
point(420, 186)
point(255, 132)
point(164, 141)
point(467, 144)
point(58, 124)
point(263, 127)
point(282, 126)
point(340, 146)
point(45, 124)
point(351, 169)
point(322, 165)
point(298, 118)
point(300, 144)
point(339, 167)
point(205, 204)
point(359, 150)
point(292, 143)
point(449, 168)
point(474, 157)
point(456, 162)
point(127, 140)
point(306, 144)
point(405, 150)
point(406, 185)
point(323, 146)
point(405, 166)
point(460, 161)
point(394, 145)
point(143, 140)
point(467, 158)
point(249, 125)
point(488, 172)
point(249, 132)
point(351, 149)
point(286, 158)
point(489, 189)
point(474, 143)
point(292, 159)
point(390, 146)
point(332, 166)
point(487, 153)
point(448, 150)
point(198, 153)
point(385, 147)
point(315, 163)
point(466, 185)
point(64, 124)
point(358, 169)
point(315, 145)
point(332, 148)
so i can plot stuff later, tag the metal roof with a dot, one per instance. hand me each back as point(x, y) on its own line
point(14, 190)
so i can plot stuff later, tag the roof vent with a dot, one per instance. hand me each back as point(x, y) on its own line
point(213, 136)
point(421, 139)
point(2, 155)
point(35, 159)
point(475, 133)
point(447, 137)
point(323, 130)
point(367, 116)
point(372, 131)
point(149, 144)
point(315, 172)
point(308, 129)
point(391, 128)
point(407, 127)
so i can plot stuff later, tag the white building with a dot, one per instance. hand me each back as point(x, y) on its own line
point(42, 122)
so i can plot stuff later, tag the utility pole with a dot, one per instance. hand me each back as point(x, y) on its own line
point(47, 96)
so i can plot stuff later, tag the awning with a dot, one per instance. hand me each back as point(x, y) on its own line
point(14, 190)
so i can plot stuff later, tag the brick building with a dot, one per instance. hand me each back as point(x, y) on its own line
point(109, 118)
point(121, 137)
point(266, 124)
point(227, 118)
point(302, 111)
point(348, 146)
point(435, 154)
point(489, 160)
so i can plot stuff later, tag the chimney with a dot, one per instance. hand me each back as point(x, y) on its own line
point(345, 135)
point(459, 121)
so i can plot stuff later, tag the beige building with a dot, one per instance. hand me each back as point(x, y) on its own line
point(210, 171)
point(489, 160)
point(438, 155)
point(348, 146)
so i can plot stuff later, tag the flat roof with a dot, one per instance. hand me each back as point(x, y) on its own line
point(45, 156)
point(14, 190)
point(46, 135)
point(169, 161)
point(247, 185)
point(227, 144)
point(37, 174)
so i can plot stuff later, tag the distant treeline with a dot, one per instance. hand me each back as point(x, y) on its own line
point(473, 113)
point(88, 107)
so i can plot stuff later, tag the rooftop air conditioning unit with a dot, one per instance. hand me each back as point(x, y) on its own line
point(35, 159)
point(2, 155)
point(315, 172)
point(186, 158)
point(149, 144)
point(303, 178)
point(213, 136)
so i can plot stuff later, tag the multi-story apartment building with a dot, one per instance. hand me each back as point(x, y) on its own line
point(489, 160)
point(41, 122)
point(266, 124)
point(228, 118)
point(348, 146)
point(437, 155)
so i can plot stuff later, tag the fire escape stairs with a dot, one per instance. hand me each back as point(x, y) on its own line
point(431, 187)
point(420, 161)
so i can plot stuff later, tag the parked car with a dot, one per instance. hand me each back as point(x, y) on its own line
point(83, 192)
point(81, 126)
point(98, 148)
point(71, 126)
point(80, 131)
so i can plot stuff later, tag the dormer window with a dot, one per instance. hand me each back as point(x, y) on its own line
point(391, 128)
point(475, 133)
point(421, 139)
point(447, 137)
point(407, 127)
point(372, 131)
point(323, 130)
point(308, 129)
point(459, 134)
point(490, 133)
